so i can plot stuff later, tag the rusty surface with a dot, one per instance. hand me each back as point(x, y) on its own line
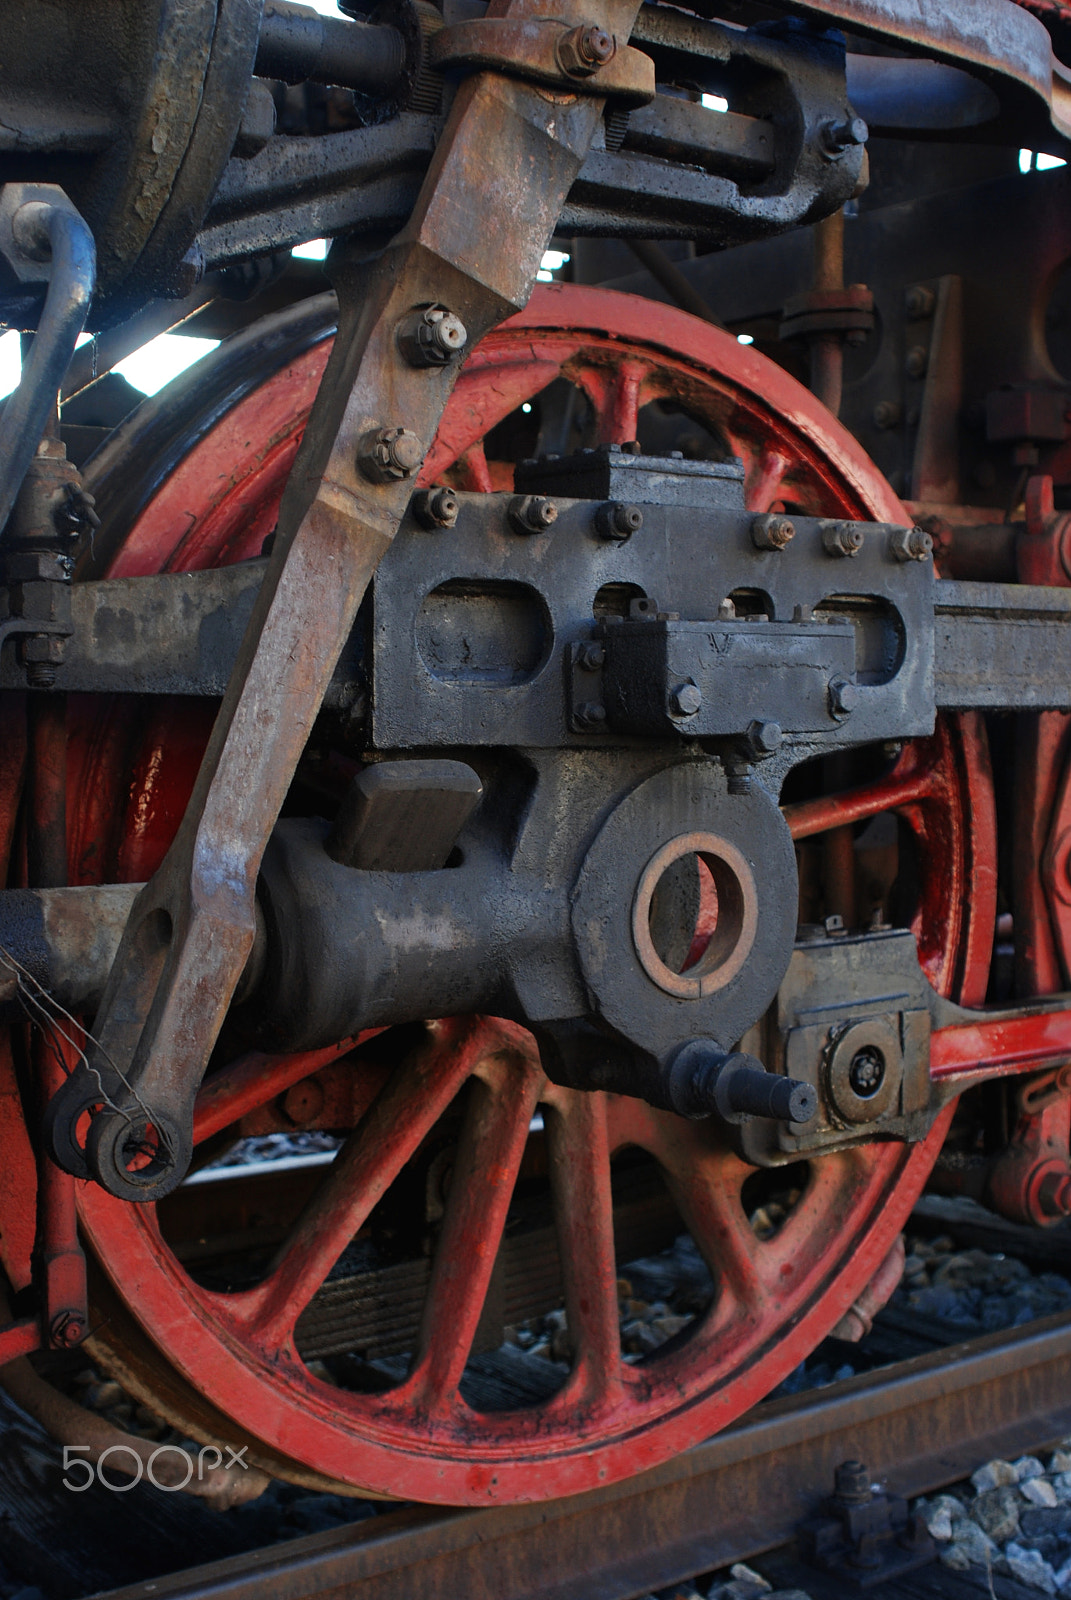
point(918, 1425)
point(193, 927)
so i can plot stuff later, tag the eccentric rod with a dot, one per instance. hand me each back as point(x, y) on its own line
point(299, 45)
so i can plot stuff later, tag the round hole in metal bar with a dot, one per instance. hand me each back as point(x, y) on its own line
point(695, 915)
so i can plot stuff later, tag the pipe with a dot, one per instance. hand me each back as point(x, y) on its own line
point(672, 279)
point(299, 45)
point(43, 230)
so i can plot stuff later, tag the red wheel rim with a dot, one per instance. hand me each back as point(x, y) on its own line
point(131, 773)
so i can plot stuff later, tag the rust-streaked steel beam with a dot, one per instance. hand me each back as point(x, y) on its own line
point(918, 1425)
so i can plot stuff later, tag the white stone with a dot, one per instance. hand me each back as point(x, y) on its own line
point(994, 1475)
point(1030, 1567)
point(1039, 1491)
point(969, 1537)
point(956, 1557)
point(1028, 1467)
point(1062, 1485)
point(940, 1514)
point(745, 1574)
point(1061, 1461)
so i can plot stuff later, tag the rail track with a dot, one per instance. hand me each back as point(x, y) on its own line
point(919, 1424)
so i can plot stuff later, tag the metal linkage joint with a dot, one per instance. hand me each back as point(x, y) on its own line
point(587, 58)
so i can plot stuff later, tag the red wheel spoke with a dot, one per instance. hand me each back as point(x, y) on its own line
point(765, 476)
point(482, 406)
point(360, 1175)
point(481, 1187)
point(254, 1079)
point(705, 1182)
point(615, 394)
point(808, 817)
point(579, 1152)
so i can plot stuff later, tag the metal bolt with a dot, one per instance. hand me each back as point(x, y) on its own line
point(910, 544)
point(851, 1482)
point(920, 301)
point(431, 336)
point(386, 455)
point(887, 414)
point(584, 49)
point(590, 657)
point(685, 699)
point(618, 521)
point(66, 1329)
point(764, 738)
point(842, 538)
point(834, 926)
point(590, 715)
point(866, 1074)
point(918, 359)
point(436, 508)
point(843, 697)
point(532, 513)
point(836, 137)
point(772, 532)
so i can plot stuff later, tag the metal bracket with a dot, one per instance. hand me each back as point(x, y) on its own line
point(545, 50)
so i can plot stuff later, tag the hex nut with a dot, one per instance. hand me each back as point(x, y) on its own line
point(590, 716)
point(764, 738)
point(583, 50)
point(842, 538)
point(618, 521)
point(843, 697)
point(591, 657)
point(918, 359)
point(685, 699)
point(436, 508)
point(772, 532)
point(887, 414)
point(387, 455)
point(910, 544)
point(919, 301)
point(257, 124)
point(431, 336)
point(532, 513)
point(837, 137)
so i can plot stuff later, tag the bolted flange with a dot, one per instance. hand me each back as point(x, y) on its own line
point(386, 455)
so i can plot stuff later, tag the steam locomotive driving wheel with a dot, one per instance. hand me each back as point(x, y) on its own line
point(488, 1174)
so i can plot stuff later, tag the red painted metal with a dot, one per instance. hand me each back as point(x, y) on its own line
point(775, 1298)
point(19, 1339)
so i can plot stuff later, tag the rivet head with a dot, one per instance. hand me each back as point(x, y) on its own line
point(387, 455)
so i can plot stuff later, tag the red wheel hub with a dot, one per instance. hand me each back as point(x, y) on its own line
point(131, 770)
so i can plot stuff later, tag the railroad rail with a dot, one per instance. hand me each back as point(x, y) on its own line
point(918, 1424)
